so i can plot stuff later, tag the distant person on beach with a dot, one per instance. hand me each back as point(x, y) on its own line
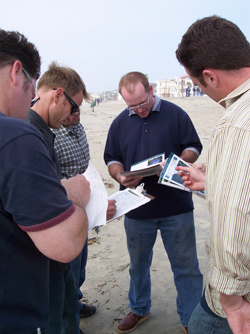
point(188, 91)
point(35, 213)
point(147, 127)
point(72, 150)
point(194, 90)
point(92, 105)
point(223, 73)
point(58, 82)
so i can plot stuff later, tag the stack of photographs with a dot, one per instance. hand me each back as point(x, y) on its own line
point(170, 177)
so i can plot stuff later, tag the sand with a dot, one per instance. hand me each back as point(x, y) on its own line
point(107, 275)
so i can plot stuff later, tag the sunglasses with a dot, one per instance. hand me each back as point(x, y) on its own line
point(74, 106)
point(34, 101)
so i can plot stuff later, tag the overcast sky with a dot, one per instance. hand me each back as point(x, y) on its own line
point(104, 39)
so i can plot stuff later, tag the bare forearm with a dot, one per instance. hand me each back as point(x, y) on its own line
point(189, 156)
point(114, 171)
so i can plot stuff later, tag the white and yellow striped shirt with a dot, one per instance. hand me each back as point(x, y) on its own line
point(228, 196)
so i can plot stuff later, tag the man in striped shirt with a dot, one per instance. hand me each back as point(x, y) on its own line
point(216, 56)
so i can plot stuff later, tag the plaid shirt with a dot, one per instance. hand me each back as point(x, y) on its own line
point(72, 149)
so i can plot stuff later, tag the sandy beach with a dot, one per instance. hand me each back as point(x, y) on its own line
point(107, 276)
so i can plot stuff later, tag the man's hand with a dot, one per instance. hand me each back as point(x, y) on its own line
point(130, 181)
point(237, 312)
point(199, 166)
point(193, 178)
point(78, 190)
point(111, 210)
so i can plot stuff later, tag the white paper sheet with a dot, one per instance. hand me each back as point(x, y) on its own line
point(96, 207)
point(126, 201)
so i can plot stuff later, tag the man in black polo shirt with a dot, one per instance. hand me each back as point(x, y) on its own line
point(38, 221)
point(48, 112)
point(150, 126)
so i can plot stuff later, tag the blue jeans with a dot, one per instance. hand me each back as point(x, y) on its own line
point(178, 236)
point(202, 322)
point(78, 268)
point(78, 275)
point(62, 303)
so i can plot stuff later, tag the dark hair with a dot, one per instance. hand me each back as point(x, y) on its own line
point(63, 77)
point(130, 79)
point(15, 46)
point(213, 42)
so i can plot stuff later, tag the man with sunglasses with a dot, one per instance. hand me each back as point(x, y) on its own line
point(52, 106)
point(38, 221)
point(150, 126)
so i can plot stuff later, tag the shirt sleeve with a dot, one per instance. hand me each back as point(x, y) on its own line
point(229, 194)
point(30, 189)
point(112, 152)
point(189, 139)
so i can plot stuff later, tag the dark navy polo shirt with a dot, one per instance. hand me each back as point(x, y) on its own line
point(132, 139)
point(31, 199)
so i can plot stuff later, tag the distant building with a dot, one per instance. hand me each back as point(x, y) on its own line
point(163, 88)
point(110, 95)
point(173, 87)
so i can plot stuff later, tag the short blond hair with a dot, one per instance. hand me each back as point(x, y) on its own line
point(63, 77)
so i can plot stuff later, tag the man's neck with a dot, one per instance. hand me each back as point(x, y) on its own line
point(233, 79)
point(42, 113)
point(69, 127)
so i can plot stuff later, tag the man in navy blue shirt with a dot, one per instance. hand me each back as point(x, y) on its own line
point(147, 127)
point(38, 221)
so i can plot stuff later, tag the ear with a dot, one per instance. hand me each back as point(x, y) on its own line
point(151, 90)
point(210, 77)
point(57, 94)
point(15, 72)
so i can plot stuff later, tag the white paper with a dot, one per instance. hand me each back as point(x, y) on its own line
point(97, 205)
point(126, 201)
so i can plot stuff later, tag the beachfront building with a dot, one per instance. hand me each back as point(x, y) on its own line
point(109, 95)
point(173, 87)
point(163, 88)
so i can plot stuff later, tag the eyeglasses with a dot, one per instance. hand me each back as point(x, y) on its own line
point(34, 101)
point(142, 105)
point(74, 106)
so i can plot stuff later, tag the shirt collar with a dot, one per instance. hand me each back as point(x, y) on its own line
point(156, 106)
point(74, 129)
point(236, 94)
point(43, 126)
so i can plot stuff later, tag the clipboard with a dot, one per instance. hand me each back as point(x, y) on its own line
point(130, 199)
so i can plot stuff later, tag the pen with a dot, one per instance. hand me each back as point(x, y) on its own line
point(134, 193)
point(76, 171)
